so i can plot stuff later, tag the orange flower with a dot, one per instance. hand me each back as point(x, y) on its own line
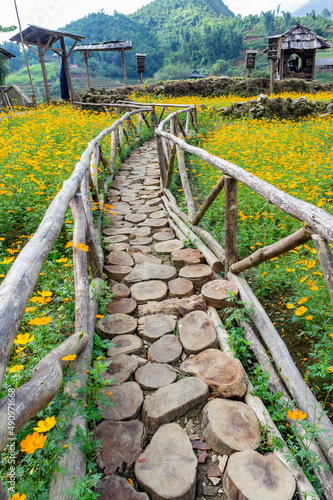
point(301, 310)
point(18, 496)
point(331, 369)
point(40, 321)
point(69, 244)
point(296, 414)
point(81, 246)
point(33, 442)
point(70, 357)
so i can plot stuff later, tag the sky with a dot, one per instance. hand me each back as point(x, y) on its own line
point(57, 13)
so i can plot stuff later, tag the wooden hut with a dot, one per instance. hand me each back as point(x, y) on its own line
point(293, 53)
point(45, 39)
point(6, 54)
point(195, 74)
point(105, 47)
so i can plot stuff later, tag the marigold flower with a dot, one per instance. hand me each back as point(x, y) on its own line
point(296, 414)
point(301, 310)
point(24, 338)
point(69, 357)
point(33, 442)
point(16, 368)
point(45, 425)
point(81, 246)
point(29, 309)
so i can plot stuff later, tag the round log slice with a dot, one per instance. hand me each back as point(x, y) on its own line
point(196, 332)
point(121, 208)
point(155, 375)
point(136, 203)
point(141, 241)
point(136, 218)
point(141, 258)
point(181, 287)
point(120, 258)
point(121, 443)
point(148, 271)
point(127, 399)
point(218, 293)
point(140, 232)
point(117, 272)
point(199, 274)
point(141, 248)
point(153, 202)
point(116, 231)
point(166, 470)
point(151, 328)
point(168, 246)
point(230, 426)
point(125, 306)
point(116, 247)
point(257, 477)
point(119, 290)
point(167, 349)
point(118, 488)
point(149, 290)
point(164, 235)
point(122, 224)
point(157, 215)
point(120, 238)
point(125, 344)
point(116, 324)
point(120, 368)
point(144, 209)
point(186, 256)
point(154, 223)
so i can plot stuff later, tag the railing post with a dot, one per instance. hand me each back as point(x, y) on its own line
point(325, 258)
point(161, 159)
point(114, 144)
point(231, 215)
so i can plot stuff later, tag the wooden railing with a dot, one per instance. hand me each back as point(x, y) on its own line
point(318, 227)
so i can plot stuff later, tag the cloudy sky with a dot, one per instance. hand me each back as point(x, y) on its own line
point(57, 13)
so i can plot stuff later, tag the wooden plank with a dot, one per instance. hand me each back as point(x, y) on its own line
point(325, 258)
point(286, 367)
point(231, 220)
point(208, 201)
point(266, 253)
point(185, 183)
point(316, 218)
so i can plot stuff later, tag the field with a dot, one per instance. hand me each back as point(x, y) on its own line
point(38, 151)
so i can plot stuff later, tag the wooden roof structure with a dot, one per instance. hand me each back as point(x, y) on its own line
point(45, 39)
point(117, 45)
point(6, 53)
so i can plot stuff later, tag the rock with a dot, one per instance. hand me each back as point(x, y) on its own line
point(173, 401)
point(176, 307)
point(166, 470)
point(148, 271)
point(120, 259)
point(117, 272)
point(222, 462)
point(119, 290)
point(135, 218)
point(125, 344)
point(151, 328)
point(164, 235)
point(217, 293)
point(186, 256)
point(116, 324)
point(120, 369)
point(230, 426)
point(124, 306)
point(127, 399)
point(196, 332)
point(181, 287)
point(221, 373)
point(155, 375)
point(149, 290)
point(122, 442)
point(209, 491)
point(213, 471)
point(214, 480)
point(257, 477)
point(167, 349)
point(168, 246)
point(199, 274)
point(118, 488)
point(141, 258)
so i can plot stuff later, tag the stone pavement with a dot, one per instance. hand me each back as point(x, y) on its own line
point(178, 413)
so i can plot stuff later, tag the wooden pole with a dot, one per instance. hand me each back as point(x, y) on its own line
point(231, 215)
point(271, 87)
point(185, 183)
point(326, 260)
point(124, 66)
point(161, 159)
point(208, 201)
point(274, 250)
point(114, 144)
point(87, 68)
point(42, 63)
point(67, 70)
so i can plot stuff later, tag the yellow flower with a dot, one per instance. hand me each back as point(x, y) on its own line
point(290, 270)
point(45, 425)
point(301, 301)
point(18, 496)
point(69, 357)
point(81, 246)
point(109, 394)
point(296, 414)
point(331, 369)
point(33, 442)
point(69, 244)
point(309, 318)
point(40, 321)
point(314, 288)
point(68, 221)
point(7, 260)
point(99, 316)
point(301, 310)
point(61, 260)
point(290, 306)
point(24, 338)
point(16, 368)
point(303, 279)
point(29, 309)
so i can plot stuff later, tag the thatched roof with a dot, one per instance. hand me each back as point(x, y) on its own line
point(48, 37)
point(299, 37)
point(113, 45)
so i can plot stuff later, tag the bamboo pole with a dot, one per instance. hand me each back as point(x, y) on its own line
point(114, 144)
point(87, 68)
point(94, 162)
point(161, 159)
point(208, 201)
point(286, 367)
point(42, 63)
point(67, 70)
point(266, 253)
point(316, 218)
point(124, 66)
point(231, 216)
point(326, 260)
point(185, 183)
point(170, 167)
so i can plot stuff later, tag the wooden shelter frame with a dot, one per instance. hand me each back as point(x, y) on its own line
point(45, 39)
point(105, 47)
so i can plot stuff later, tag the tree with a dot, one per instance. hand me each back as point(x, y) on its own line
point(326, 13)
point(3, 59)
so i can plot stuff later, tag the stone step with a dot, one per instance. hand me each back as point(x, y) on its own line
point(120, 369)
point(127, 399)
point(118, 488)
point(196, 332)
point(148, 271)
point(152, 376)
point(167, 349)
point(149, 290)
point(116, 324)
point(125, 344)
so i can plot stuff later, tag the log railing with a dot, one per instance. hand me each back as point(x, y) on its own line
point(318, 226)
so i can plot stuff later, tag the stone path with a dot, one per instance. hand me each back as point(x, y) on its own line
point(178, 412)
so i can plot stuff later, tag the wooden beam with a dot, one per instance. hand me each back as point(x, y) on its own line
point(266, 253)
point(72, 48)
point(67, 70)
point(42, 63)
point(185, 183)
point(170, 166)
point(87, 68)
point(124, 66)
point(325, 258)
point(208, 201)
point(231, 216)
point(47, 45)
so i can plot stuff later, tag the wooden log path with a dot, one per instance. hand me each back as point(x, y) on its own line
point(184, 425)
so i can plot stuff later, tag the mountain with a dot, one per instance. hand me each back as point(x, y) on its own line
point(317, 5)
